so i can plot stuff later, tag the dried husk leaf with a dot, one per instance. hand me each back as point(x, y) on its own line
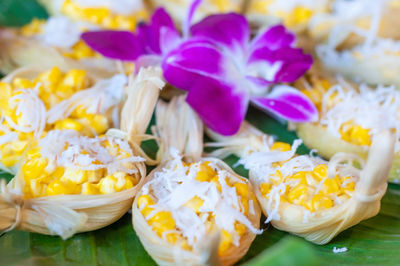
point(316, 136)
point(178, 127)
point(19, 51)
point(164, 253)
point(246, 141)
point(66, 215)
point(321, 227)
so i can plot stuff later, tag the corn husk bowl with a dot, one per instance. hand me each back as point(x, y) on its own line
point(324, 225)
point(179, 128)
point(94, 89)
point(65, 215)
point(164, 253)
point(19, 51)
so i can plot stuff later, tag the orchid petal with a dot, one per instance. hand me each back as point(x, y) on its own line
point(283, 65)
point(188, 20)
point(274, 38)
point(122, 45)
point(220, 105)
point(149, 34)
point(288, 103)
point(169, 39)
point(229, 30)
point(195, 57)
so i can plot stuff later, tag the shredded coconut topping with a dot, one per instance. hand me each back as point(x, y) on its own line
point(339, 250)
point(176, 184)
point(103, 96)
point(67, 149)
point(30, 109)
point(61, 32)
point(372, 109)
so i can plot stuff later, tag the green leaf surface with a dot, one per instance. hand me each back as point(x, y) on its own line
point(373, 242)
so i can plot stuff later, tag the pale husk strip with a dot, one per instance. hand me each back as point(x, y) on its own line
point(321, 227)
point(164, 253)
point(19, 51)
point(179, 128)
point(66, 215)
point(246, 141)
point(317, 137)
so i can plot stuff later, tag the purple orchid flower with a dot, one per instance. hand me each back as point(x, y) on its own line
point(217, 63)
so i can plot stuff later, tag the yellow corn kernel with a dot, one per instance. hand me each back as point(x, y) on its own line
point(245, 206)
point(314, 95)
point(124, 181)
point(89, 189)
point(265, 188)
point(298, 194)
point(57, 187)
point(19, 145)
point(162, 221)
point(99, 123)
point(5, 93)
point(330, 186)
point(242, 189)
point(23, 83)
point(321, 202)
point(50, 78)
point(320, 171)
point(33, 28)
point(280, 146)
point(143, 202)
point(206, 172)
point(94, 176)
point(225, 242)
point(301, 176)
point(76, 176)
point(348, 186)
point(34, 168)
point(34, 152)
point(216, 183)
point(360, 136)
point(194, 203)
point(69, 123)
point(72, 81)
point(10, 160)
point(240, 228)
point(107, 184)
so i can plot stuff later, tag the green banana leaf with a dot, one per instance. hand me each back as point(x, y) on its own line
point(374, 241)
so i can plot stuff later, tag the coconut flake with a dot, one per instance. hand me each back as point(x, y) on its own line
point(61, 32)
point(339, 250)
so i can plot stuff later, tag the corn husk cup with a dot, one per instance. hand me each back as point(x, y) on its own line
point(181, 131)
point(65, 215)
point(178, 9)
point(325, 223)
point(55, 95)
point(323, 137)
point(248, 140)
point(19, 51)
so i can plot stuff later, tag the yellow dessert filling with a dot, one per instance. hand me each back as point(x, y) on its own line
point(47, 89)
point(314, 190)
point(349, 131)
point(48, 177)
point(103, 16)
point(164, 225)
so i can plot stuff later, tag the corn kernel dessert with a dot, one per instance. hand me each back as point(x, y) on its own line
point(56, 41)
point(187, 201)
point(350, 117)
point(359, 40)
point(69, 183)
point(318, 199)
point(34, 102)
